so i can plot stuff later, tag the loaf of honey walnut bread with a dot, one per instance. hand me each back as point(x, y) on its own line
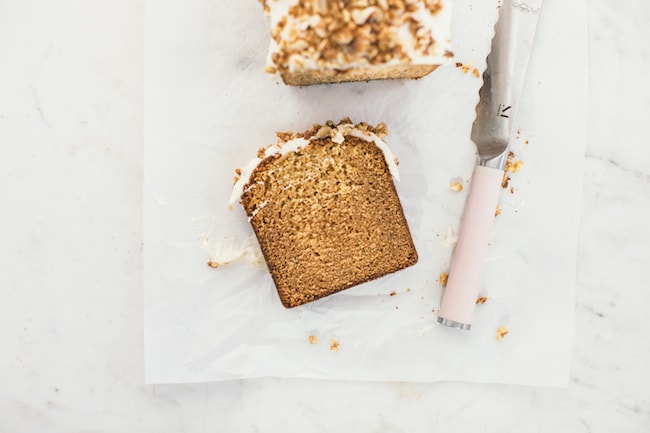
point(321, 41)
point(325, 210)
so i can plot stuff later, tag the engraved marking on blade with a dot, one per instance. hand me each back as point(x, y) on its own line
point(502, 110)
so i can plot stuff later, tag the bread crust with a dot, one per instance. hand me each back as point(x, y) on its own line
point(328, 76)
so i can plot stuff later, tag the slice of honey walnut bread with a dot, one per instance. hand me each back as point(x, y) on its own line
point(320, 41)
point(325, 211)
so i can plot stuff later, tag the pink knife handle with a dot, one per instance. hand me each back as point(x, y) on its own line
point(459, 298)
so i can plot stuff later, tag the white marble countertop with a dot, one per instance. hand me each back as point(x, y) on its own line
point(71, 117)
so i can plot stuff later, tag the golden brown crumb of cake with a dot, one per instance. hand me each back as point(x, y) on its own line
point(327, 217)
point(497, 212)
point(312, 339)
point(334, 345)
point(481, 300)
point(393, 293)
point(442, 278)
point(501, 332)
point(456, 186)
point(476, 72)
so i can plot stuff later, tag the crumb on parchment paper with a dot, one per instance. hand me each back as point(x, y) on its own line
point(501, 332)
point(505, 182)
point(215, 265)
point(467, 68)
point(513, 166)
point(456, 186)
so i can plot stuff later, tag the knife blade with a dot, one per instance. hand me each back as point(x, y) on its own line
point(503, 81)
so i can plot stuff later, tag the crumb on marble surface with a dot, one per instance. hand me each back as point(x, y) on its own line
point(334, 345)
point(312, 339)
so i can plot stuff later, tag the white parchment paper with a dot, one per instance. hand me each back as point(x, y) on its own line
point(209, 106)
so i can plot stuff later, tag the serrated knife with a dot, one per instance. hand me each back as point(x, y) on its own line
point(499, 99)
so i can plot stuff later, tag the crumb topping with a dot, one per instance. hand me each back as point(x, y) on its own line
point(289, 141)
point(329, 130)
point(342, 34)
